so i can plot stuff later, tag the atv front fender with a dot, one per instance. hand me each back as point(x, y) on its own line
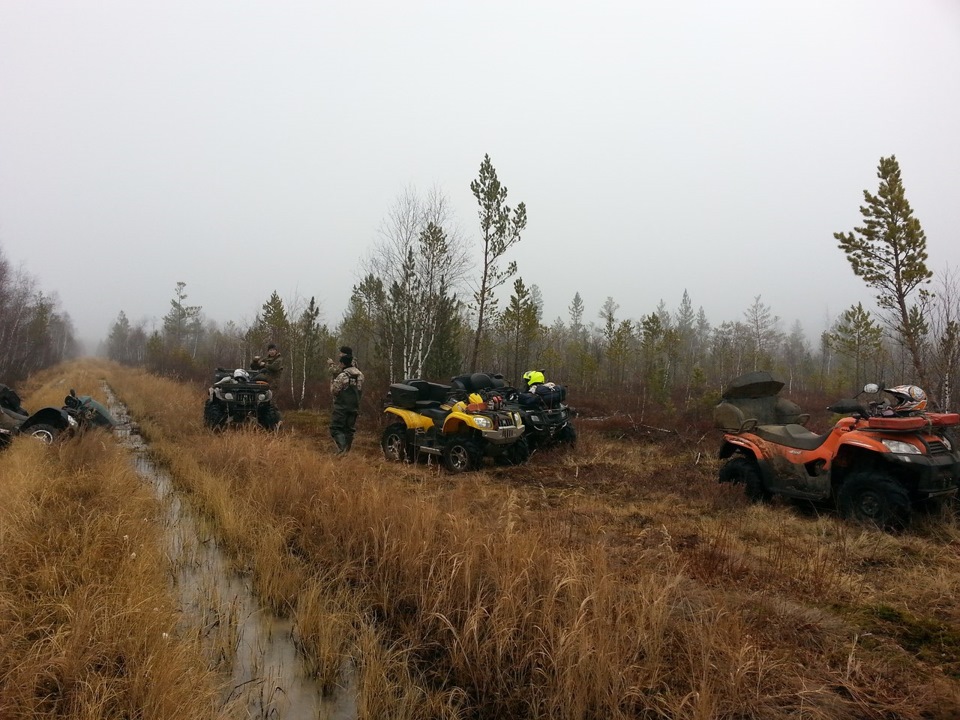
point(47, 416)
point(413, 420)
point(458, 422)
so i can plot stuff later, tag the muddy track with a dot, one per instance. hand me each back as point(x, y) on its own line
point(255, 649)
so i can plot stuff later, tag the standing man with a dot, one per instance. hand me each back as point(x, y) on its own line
point(271, 365)
point(347, 389)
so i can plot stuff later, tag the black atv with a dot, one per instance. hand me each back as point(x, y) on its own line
point(239, 397)
point(547, 419)
point(46, 425)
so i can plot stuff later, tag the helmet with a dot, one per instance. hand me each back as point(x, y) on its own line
point(909, 397)
point(532, 377)
point(241, 374)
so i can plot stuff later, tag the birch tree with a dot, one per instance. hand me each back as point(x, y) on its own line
point(420, 261)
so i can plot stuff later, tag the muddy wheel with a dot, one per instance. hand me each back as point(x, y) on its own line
point(43, 432)
point(461, 455)
point(394, 443)
point(268, 417)
point(567, 435)
point(746, 471)
point(214, 415)
point(873, 498)
point(515, 454)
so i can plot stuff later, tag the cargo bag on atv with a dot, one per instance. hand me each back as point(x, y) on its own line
point(548, 396)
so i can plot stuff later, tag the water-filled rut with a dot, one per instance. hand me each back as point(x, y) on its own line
point(265, 675)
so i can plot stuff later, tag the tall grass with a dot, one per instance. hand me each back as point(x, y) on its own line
point(614, 583)
point(88, 628)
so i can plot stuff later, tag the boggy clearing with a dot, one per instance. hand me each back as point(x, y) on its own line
point(616, 581)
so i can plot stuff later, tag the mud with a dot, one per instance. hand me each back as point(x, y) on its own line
point(264, 674)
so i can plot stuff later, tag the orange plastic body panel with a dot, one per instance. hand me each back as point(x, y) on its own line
point(944, 419)
point(897, 423)
point(848, 432)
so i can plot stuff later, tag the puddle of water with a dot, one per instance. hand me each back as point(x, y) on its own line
point(254, 648)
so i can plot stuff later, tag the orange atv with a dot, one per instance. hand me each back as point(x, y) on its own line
point(875, 464)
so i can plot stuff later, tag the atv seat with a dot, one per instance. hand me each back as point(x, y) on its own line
point(436, 414)
point(17, 417)
point(477, 382)
point(429, 391)
point(791, 435)
point(418, 394)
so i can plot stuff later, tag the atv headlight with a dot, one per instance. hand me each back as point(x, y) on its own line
point(228, 396)
point(946, 442)
point(534, 418)
point(261, 397)
point(71, 421)
point(517, 420)
point(484, 423)
point(900, 447)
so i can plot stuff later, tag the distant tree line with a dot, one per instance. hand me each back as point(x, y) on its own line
point(425, 308)
point(34, 332)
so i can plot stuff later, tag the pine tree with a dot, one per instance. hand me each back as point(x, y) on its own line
point(178, 319)
point(857, 337)
point(117, 341)
point(501, 227)
point(889, 252)
point(764, 332)
point(521, 322)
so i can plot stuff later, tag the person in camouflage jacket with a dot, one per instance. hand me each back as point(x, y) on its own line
point(270, 365)
point(346, 387)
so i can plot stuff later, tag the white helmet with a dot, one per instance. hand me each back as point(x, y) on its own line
point(241, 374)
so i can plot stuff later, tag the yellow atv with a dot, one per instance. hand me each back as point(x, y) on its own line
point(430, 420)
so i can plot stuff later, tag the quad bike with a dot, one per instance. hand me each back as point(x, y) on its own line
point(240, 397)
point(87, 411)
point(432, 419)
point(547, 420)
point(876, 464)
point(47, 424)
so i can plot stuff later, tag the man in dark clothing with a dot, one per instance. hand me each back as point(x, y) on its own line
point(271, 365)
point(347, 389)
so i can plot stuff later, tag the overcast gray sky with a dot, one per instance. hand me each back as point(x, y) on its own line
point(243, 147)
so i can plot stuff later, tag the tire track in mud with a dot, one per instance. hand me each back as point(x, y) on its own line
point(254, 649)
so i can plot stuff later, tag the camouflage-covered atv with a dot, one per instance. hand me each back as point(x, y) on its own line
point(46, 424)
point(239, 397)
point(87, 411)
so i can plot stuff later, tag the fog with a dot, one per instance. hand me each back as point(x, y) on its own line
point(659, 147)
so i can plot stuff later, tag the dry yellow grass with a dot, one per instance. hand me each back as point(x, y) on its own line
point(617, 582)
point(88, 628)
